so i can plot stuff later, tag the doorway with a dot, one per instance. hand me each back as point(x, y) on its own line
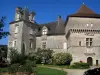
point(90, 61)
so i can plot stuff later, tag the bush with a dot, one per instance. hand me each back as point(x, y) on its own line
point(16, 57)
point(43, 56)
point(79, 65)
point(95, 71)
point(62, 59)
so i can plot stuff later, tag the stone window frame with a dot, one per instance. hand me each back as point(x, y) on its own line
point(89, 42)
point(30, 43)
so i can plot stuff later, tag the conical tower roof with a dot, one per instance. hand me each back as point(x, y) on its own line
point(84, 11)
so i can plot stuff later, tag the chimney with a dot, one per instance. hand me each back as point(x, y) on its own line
point(59, 19)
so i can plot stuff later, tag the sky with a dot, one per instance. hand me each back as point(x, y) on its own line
point(46, 10)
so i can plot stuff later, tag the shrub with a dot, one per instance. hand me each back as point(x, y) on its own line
point(79, 65)
point(43, 56)
point(16, 57)
point(62, 59)
point(95, 71)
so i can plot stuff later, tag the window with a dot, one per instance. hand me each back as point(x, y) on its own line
point(79, 43)
point(16, 29)
point(89, 42)
point(43, 44)
point(30, 45)
point(44, 32)
point(87, 25)
point(65, 45)
point(14, 44)
point(10, 43)
point(31, 32)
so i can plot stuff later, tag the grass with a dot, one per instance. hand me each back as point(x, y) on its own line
point(59, 66)
point(48, 71)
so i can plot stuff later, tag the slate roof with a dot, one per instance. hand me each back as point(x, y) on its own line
point(53, 28)
point(84, 11)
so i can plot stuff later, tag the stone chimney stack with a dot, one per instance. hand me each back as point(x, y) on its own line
point(59, 19)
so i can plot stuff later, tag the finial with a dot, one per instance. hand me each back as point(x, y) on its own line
point(83, 1)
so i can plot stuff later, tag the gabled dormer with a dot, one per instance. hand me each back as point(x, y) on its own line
point(44, 30)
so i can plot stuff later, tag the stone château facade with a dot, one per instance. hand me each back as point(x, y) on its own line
point(78, 35)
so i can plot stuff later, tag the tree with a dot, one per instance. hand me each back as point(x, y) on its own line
point(3, 34)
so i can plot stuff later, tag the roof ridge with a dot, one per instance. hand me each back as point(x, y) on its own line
point(49, 23)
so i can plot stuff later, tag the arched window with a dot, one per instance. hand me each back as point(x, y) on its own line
point(44, 30)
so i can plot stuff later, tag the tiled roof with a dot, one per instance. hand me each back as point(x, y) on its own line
point(53, 28)
point(84, 11)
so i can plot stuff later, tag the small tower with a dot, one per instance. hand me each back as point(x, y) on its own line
point(32, 16)
point(22, 32)
point(18, 14)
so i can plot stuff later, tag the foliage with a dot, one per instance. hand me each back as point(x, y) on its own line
point(13, 68)
point(3, 70)
point(16, 57)
point(48, 71)
point(43, 55)
point(3, 51)
point(62, 58)
point(3, 34)
point(79, 65)
point(95, 71)
point(30, 66)
point(20, 62)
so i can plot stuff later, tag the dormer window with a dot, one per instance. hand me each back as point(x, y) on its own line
point(44, 30)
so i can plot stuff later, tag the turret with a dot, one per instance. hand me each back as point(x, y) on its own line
point(32, 16)
point(18, 15)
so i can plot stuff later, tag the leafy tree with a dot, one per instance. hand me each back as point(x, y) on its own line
point(62, 58)
point(3, 34)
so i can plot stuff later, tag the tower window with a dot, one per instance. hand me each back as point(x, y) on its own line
point(30, 45)
point(65, 45)
point(89, 42)
point(14, 43)
point(43, 44)
point(79, 43)
point(16, 29)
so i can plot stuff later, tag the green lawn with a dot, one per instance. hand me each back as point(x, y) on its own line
point(48, 71)
point(62, 66)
